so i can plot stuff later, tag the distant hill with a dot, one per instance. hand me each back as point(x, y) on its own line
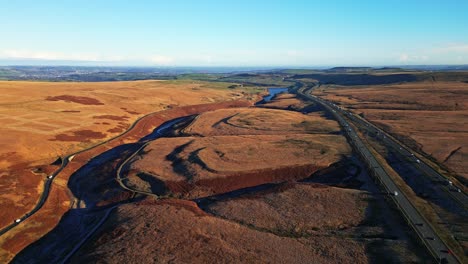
point(358, 79)
point(350, 69)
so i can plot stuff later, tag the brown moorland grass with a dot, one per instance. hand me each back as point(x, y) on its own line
point(44, 220)
point(201, 161)
point(259, 121)
point(170, 230)
point(299, 209)
point(428, 116)
point(428, 211)
point(286, 101)
point(44, 120)
point(186, 235)
point(227, 144)
point(27, 153)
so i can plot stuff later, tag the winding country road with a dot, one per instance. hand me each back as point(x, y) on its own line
point(158, 133)
point(65, 161)
point(436, 246)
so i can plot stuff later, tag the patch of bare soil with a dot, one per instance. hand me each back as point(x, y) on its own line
point(79, 136)
point(75, 99)
point(111, 117)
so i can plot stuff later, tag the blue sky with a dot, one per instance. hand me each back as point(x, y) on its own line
point(235, 33)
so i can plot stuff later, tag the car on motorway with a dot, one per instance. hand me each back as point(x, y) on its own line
point(395, 193)
point(50, 177)
point(18, 220)
point(418, 161)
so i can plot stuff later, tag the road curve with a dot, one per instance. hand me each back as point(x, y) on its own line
point(65, 160)
point(159, 132)
point(90, 233)
point(438, 249)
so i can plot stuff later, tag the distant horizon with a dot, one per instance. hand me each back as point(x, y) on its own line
point(93, 64)
point(272, 33)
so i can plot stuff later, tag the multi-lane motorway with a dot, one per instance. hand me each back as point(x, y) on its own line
point(454, 192)
point(438, 249)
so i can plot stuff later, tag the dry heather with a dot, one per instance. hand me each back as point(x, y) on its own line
point(285, 223)
point(181, 233)
point(238, 148)
point(259, 121)
point(43, 120)
point(95, 186)
point(201, 165)
point(297, 209)
point(430, 116)
point(77, 115)
point(286, 101)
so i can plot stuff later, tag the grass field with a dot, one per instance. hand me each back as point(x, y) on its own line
point(428, 116)
point(42, 121)
point(220, 147)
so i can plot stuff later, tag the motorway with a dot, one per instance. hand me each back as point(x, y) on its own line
point(451, 190)
point(438, 249)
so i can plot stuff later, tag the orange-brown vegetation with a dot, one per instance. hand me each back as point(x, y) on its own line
point(36, 130)
point(300, 209)
point(106, 193)
point(180, 234)
point(286, 101)
point(286, 223)
point(75, 99)
point(238, 148)
point(260, 121)
point(428, 116)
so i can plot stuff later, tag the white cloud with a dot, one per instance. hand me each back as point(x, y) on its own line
point(407, 58)
point(83, 57)
point(160, 59)
point(47, 55)
point(403, 57)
